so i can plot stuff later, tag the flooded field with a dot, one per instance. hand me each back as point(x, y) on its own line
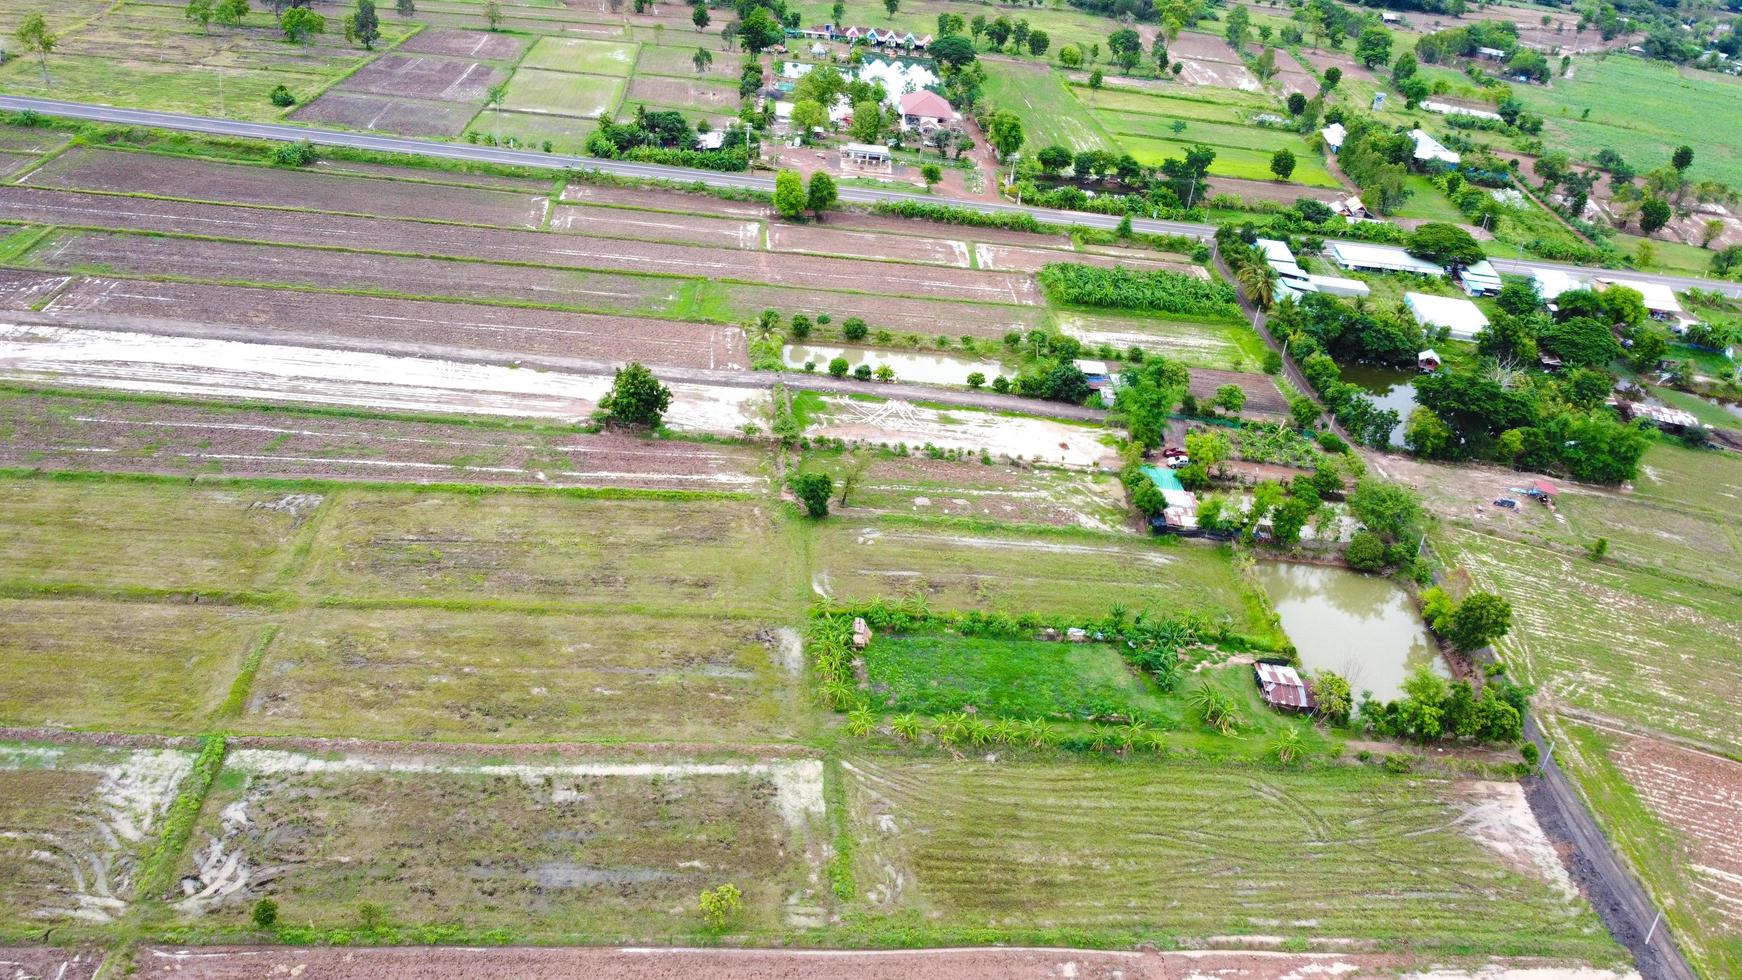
point(1361, 626)
point(944, 369)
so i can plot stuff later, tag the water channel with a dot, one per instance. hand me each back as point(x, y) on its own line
point(1364, 627)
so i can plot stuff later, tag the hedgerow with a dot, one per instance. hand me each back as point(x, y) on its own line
point(1155, 291)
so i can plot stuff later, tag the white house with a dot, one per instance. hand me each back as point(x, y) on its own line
point(1461, 318)
point(1280, 258)
point(1480, 279)
point(1430, 150)
point(1364, 257)
point(1550, 283)
point(1334, 135)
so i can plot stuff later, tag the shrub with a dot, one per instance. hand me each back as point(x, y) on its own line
point(1001, 384)
point(265, 913)
point(1156, 290)
point(862, 372)
point(295, 154)
point(636, 397)
point(371, 915)
point(1272, 362)
point(854, 328)
point(813, 490)
point(976, 379)
point(801, 326)
point(281, 97)
point(720, 905)
point(1366, 552)
point(839, 367)
point(1529, 752)
point(1330, 442)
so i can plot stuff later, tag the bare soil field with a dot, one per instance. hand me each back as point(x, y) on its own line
point(897, 422)
point(683, 92)
point(1210, 62)
point(571, 849)
point(453, 963)
point(1015, 494)
point(497, 245)
point(129, 666)
point(923, 317)
point(63, 432)
point(1267, 190)
point(1263, 397)
point(653, 226)
point(1014, 258)
point(915, 226)
point(474, 676)
point(482, 45)
point(20, 290)
point(1352, 69)
point(721, 555)
point(453, 80)
point(867, 245)
point(47, 963)
point(1699, 797)
point(360, 168)
point(397, 323)
point(145, 173)
point(661, 200)
point(1293, 76)
point(78, 822)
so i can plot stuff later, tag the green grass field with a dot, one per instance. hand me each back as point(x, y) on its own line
point(1175, 853)
point(573, 54)
point(566, 134)
point(1051, 114)
point(1156, 126)
point(939, 673)
point(1623, 642)
point(563, 93)
point(1643, 109)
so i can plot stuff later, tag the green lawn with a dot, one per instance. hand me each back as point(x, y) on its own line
point(573, 54)
point(1643, 109)
point(941, 673)
point(565, 133)
point(1426, 202)
point(563, 93)
point(1232, 161)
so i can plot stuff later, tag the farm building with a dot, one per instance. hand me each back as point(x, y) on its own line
point(1282, 687)
point(1448, 109)
point(1334, 135)
point(1659, 299)
point(1461, 318)
point(1280, 258)
point(1480, 279)
point(1350, 207)
point(1362, 257)
point(1181, 512)
point(1550, 283)
point(1427, 361)
point(926, 112)
point(1672, 420)
point(1431, 151)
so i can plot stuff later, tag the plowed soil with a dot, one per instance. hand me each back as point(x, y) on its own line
point(425, 77)
point(1698, 796)
point(73, 433)
point(654, 226)
point(487, 46)
point(1262, 395)
point(42, 963)
point(398, 324)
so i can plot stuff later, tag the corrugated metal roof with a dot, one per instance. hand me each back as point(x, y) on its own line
point(1282, 685)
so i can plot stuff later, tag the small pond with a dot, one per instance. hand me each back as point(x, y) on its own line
point(1392, 388)
point(945, 369)
point(1364, 627)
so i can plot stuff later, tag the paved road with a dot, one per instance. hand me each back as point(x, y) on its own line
point(624, 168)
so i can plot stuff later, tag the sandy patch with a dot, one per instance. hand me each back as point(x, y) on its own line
point(1497, 815)
point(896, 421)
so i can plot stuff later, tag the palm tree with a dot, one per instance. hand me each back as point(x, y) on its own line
point(1258, 281)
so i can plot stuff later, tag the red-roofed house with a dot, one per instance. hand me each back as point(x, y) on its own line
point(926, 111)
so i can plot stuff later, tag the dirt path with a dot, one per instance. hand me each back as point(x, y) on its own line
point(236, 963)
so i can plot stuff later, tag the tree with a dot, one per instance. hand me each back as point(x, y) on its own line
point(1332, 76)
point(721, 904)
point(813, 490)
point(1682, 158)
point(760, 31)
point(1653, 214)
point(1445, 244)
point(1727, 260)
point(701, 18)
point(1297, 103)
point(1038, 42)
point(1236, 26)
point(1373, 46)
point(231, 13)
point(300, 23)
point(1004, 129)
point(891, 6)
point(1479, 620)
point(931, 173)
point(34, 36)
point(821, 195)
point(838, 367)
point(363, 26)
point(703, 59)
point(1126, 47)
point(1366, 553)
point(1232, 398)
point(405, 8)
point(1427, 435)
point(636, 397)
point(789, 193)
point(807, 117)
point(953, 52)
point(200, 12)
point(1096, 80)
point(1071, 56)
point(1258, 282)
point(493, 14)
point(1282, 163)
point(1404, 68)
point(1387, 509)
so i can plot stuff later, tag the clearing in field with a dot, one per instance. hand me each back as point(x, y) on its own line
point(700, 555)
point(566, 134)
point(78, 821)
point(1232, 347)
point(894, 423)
point(1171, 852)
point(1623, 642)
point(151, 535)
point(1077, 574)
point(582, 852)
point(120, 666)
point(588, 57)
point(1051, 114)
point(917, 484)
point(483, 676)
point(563, 93)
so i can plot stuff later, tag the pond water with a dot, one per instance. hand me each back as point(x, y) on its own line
point(945, 369)
point(1392, 388)
point(1364, 627)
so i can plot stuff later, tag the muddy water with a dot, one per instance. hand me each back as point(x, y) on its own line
point(937, 369)
point(1391, 388)
point(1361, 626)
